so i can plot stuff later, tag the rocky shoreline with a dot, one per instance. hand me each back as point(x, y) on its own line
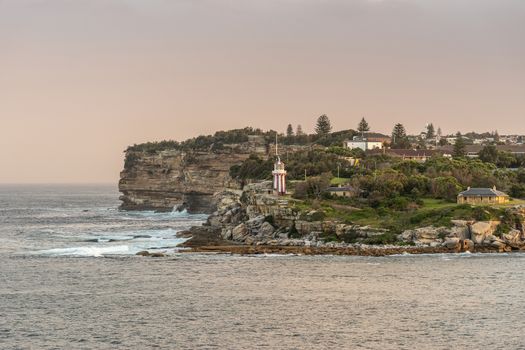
point(252, 221)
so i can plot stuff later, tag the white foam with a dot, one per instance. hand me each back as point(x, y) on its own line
point(87, 251)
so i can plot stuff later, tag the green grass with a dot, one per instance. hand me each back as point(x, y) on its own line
point(339, 181)
point(433, 212)
point(432, 203)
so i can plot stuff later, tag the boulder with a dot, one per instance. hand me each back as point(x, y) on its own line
point(240, 232)
point(407, 236)
point(461, 232)
point(460, 223)
point(452, 243)
point(255, 223)
point(468, 245)
point(266, 230)
point(226, 233)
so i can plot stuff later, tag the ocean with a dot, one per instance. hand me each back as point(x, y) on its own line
point(70, 279)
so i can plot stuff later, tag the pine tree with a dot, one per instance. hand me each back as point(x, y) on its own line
point(323, 126)
point(299, 130)
point(399, 137)
point(460, 148)
point(363, 127)
point(289, 130)
point(430, 131)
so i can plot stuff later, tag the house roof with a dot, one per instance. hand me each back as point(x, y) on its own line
point(475, 149)
point(482, 192)
point(406, 152)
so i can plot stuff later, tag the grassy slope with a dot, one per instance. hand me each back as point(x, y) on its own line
point(433, 212)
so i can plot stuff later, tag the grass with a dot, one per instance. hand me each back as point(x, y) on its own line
point(339, 181)
point(433, 212)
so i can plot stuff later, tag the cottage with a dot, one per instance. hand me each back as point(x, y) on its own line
point(482, 196)
point(342, 191)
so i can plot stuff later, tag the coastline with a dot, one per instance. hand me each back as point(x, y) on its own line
point(208, 240)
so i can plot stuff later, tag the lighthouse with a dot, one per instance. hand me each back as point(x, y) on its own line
point(279, 174)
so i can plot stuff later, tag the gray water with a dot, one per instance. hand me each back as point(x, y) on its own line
point(69, 279)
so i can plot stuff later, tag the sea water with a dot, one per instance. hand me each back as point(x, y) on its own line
point(70, 279)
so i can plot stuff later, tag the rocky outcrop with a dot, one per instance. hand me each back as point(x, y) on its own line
point(466, 235)
point(180, 179)
point(254, 216)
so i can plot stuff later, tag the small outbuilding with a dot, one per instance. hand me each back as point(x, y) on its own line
point(482, 196)
point(342, 191)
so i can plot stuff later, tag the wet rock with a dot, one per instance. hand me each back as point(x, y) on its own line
point(143, 253)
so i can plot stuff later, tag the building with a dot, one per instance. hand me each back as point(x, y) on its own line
point(472, 151)
point(342, 191)
point(418, 155)
point(482, 196)
point(363, 143)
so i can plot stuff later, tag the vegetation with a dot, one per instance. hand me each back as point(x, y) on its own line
point(323, 126)
point(363, 126)
point(399, 137)
point(205, 142)
point(460, 147)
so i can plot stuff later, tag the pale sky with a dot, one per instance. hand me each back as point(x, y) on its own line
point(82, 79)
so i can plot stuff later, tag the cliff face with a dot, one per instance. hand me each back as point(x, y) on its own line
point(180, 179)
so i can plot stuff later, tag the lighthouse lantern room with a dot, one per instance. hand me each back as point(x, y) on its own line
point(279, 174)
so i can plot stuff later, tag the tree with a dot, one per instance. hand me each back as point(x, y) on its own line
point(299, 130)
point(363, 126)
point(399, 137)
point(446, 187)
point(460, 148)
point(430, 131)
point(489, 154)
point(323, 126)
point(289, 130)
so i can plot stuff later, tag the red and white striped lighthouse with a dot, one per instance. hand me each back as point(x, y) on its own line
point(279, 174)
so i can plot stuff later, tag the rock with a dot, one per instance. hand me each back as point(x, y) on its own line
point(250, 240)
point(157, 255)
point(266, 230)
point(255, 223)
point(468, 245)
point(452, 243)
point(240, 232)
point(460, 223)
point(481, 229)
point(143, 253)
point(407, 236)
point(461, 232)
point(226, 233)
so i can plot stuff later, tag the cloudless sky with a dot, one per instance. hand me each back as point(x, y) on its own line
point(82, 79)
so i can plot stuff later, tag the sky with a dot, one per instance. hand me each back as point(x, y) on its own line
point(80, 80)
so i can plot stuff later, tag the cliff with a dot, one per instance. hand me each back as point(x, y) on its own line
point(184, 179)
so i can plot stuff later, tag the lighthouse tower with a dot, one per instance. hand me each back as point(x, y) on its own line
point(279, 174)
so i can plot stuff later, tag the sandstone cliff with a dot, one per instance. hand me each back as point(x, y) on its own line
point(182, 179)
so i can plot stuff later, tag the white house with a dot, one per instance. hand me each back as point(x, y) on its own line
point(363, 143)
